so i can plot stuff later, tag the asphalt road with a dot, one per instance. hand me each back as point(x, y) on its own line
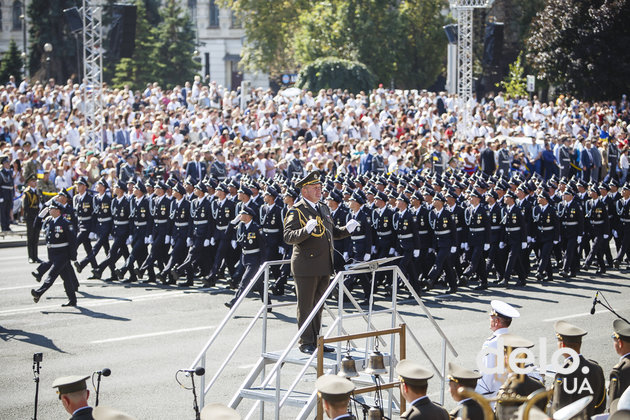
point(145, 333)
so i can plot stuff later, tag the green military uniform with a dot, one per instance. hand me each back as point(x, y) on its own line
point(620, 374)
point(336, 390)
point(422, 408)
point(312, 259)
point(589, 374)
point(72, 384)
point(466, 408)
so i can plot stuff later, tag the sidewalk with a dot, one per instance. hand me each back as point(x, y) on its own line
point(17, 237)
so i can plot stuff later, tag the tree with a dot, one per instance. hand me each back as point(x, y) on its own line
point(172, 60)
point(333, 72)
point(515, 83)
point(11, 63)
point(580, 46)
point(137, 71)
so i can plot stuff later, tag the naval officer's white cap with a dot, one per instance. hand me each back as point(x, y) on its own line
point(504, 309)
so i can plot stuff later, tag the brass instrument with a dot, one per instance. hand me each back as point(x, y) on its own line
point(484, 402)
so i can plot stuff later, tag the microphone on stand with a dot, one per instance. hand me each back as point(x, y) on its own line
point(199, 371)
point(103, 372)
point(594, 303)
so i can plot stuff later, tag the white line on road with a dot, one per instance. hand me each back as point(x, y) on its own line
point(155, 334)
point(560, 318)
point(35, 285)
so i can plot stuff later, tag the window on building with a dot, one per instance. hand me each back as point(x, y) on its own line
point(17, 12)
point(236, 22)
point(214, 14)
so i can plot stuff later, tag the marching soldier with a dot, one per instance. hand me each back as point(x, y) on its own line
point(181, 227)
point(407, 240)
point(622, 208)
point(613, 158)
point(414, 381)
point(420, 212)
point(31, 203)
point(586, 379)
point(361, 241)
point(288, 199)
point(339, 214)
point(121, 230)
point(461, 246)
point(335, 393)
point(572, 216)
point(515, 239)
point(495, 253)
point(478, 227)
point(101, 225)
point(443, 226)
point(467, 408)
point(597, 214)
point(223, 212)
point(271, 225)
point(83, 204)
point(545, 218)
point(61, 244)
point(620, 374)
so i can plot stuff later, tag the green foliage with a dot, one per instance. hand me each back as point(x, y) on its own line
point(515, 83)
point(11, 64)
point(580, 46)
point(333, 72)
point(174, 46)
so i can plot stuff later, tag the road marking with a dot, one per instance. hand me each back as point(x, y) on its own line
point(155, 334)
point(560, 318)
point(57, 283)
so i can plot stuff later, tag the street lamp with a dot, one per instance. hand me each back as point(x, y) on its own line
point(23, 19)
point(48, 49)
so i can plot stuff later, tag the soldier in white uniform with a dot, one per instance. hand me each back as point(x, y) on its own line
point(501, 317)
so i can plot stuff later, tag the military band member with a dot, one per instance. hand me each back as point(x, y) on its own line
point(335, 393)
point(586, 379)
point(620, 374)
point(546, 220)
point(443, 227)
point(467, 408)
point(478, 241)
point(414, 381)
point(31, 203)
point(73, 394)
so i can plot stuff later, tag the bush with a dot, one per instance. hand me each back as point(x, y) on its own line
point(334, 73)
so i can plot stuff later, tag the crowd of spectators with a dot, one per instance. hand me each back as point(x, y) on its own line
point(178, 132)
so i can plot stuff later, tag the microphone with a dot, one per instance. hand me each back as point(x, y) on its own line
point(104, 372)
point(199, 371)
point(594, 303)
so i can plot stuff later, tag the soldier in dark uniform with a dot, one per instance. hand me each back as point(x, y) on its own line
point(74, 395)
point(504, 159)
point(101, 225)
point(495, 259)
point(515, 239)
point(420, 212)
point(160, 238)
point(565, 157)
point(478, 228)
point(61, 244)
point(310, 229)
point(613, 159)
point(548, 224)
point(223, 212)
point(613, 222)
point(407, 240)
point(339, 214)
point(201, 213)
point(622, 207)
point(620, 374)
point(597, 214)
point(414, 381)
point(140, 232)
point(271, 225)
point(586, 379)
point(180, 229)
point(31, 202)
point(437, 160)
point(128, 169)
point(6, 193)
point(467, 408)
point(335, 393)
point(443, 227)
point(121, 212)
point(288, 199)
point(252, 244)
point(218, 169)
point(571, 216)
point(460, 232)
point(295, 168)
point(361, 240)
point(83, 204)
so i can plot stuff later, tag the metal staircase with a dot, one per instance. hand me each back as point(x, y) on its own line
point(276, 382)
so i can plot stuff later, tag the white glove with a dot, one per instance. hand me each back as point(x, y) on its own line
point(431, 250)
point(128, 242)
point(523, 245)
point(373, 249)
point(606, 236)
point(463, 245)
point(172, 241)
point(466, 247)
point(43, 213)
point(345, 256)
point(281, 250)
point(416, 253)
point(579, 239)
point(352, 225)
point(213, 242)
point(486, 247)
point(167, 239)
point(366, 257)
point(206, 243)
point(189, 242)
point(92, 236)
point(235, 220)
point(453, 249)
point(392, 251)
point(530, 239)
point(233, 244)
point(310, 225)
point(615, 234)
point(501, 245)
point(148, 240)
point(555, 242)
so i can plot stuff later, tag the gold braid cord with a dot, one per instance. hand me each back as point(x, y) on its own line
point(319, 230)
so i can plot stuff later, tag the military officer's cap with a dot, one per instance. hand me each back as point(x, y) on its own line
point(218, 411)
point(339, 179)
point(513, 181)
point(254, 184)
point(30, 178)
point(582, 183)
point(64, 192)
point(568, 332)
point(458, 373)
point(371, 191)
point(622, 329)
point(201, 186)
point(450, 194)
point(4, 158)
point(120, 185)
point(594, 189)
point(335, 196)
point(180, 189)
point(292, 192)
point(82, 180)
point(481, 184)
point(131, 181)
point(476, 194)
point(413, 374)
point(357, 197)
point(381, 181)
point(248, 210)
point(222, 187)
point(245, 190)
point(511, 194)
point(417, 195)
point(140, 186)
point(604, 186)
point(189, 180)
point(212, 183)
point(148, 184)
point(438, 182)
point(568, 191)
point(310, 179)
point(515, 341)
point(171, 181)
point(361, 179)
point(439, 197)
point(428, 191)
point(70, 384)
point(404, 198)
point(346, 191)
point(349, 184)
point(613, 183)
point(333, 388)
point(106, 413)
point(271, 191)
point(524, 188)
point(503, 309)
point(54, 204)
point(626, 186)
point(492, 194)
point(381, 196)
point(545, 195)
point(161, 185)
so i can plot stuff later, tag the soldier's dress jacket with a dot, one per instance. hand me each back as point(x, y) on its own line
point(271, 223)
point(570, 388)
point(361, 239)
point(489, 383)
point(141, 216)
point(424, 409)
point(251, 241)
point(619, 378)
point(201, 212)
point(222, 214)
point(597, 212)
point(181, 222)
point(83, 414)
point(471, 407)
point(572, 218)
point(518, 385)
point(514, 224)
point(60, 239)
point(382, 220)
point(478, 223)
point(84, 208)
point(547, 223)
point(160, 211)
point(407, 238)
point(102, 215)
point(443, 228)
point(425, 238)
point(121, 211)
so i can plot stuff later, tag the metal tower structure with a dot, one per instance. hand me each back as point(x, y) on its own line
point(93, 71)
